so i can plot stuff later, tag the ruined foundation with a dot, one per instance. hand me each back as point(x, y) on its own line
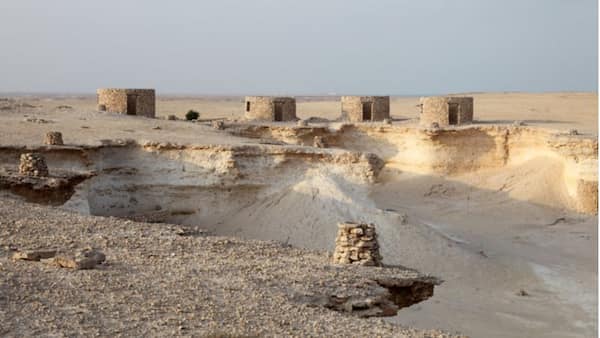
point(446, 111)
point(33, 164)
point(365, 108)
point(267, 108)
point(356, 243)
point(54, 138)
point(139, 102)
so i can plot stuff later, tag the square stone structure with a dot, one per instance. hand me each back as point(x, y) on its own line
point(446, 110)
point(270, 108)
point(365, 108)
point(141, 102)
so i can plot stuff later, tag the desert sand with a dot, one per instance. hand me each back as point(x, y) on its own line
point(503, 212)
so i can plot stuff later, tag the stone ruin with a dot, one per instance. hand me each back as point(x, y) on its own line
point(269, 108)
point(54, 138)
point(33, 164)
point(139, 102)
point(356, 243)
point(365, 108)
point(446, 110)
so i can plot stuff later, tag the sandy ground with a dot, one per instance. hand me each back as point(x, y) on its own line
point(562, 111)
point(494, 245)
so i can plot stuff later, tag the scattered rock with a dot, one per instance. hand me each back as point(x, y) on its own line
point(522, 293)
point(302, 123)
point(101, 107)
point(33, 164)
point(54, 138)
point(218, 125)
point(171, 117)
point(319, 142)
point(157, 128)
point(85, 260)
point(356, 243)
point(64, 106)
point(434, 125)
point(33, 255)
point(387, 121)
point(573, 132)
point(37, 120)
point(519, 123)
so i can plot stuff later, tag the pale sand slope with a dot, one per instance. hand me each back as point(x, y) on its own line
point(475, 231)
point(549, 253)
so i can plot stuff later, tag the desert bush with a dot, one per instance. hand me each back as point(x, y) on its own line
point(192, 115)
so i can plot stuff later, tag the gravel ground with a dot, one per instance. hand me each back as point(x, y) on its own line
point(165, 280)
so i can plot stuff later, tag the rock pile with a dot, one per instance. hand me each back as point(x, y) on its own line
point(218, 125)
point(54, 138)
point(33, 164)
point(86, 259)
point(356, 243)
point(319, 142)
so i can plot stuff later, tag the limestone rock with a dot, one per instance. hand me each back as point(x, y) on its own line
point(33, 164)
point(319, 142)
point(85, 260)
point(34, 255)
point(218, 125)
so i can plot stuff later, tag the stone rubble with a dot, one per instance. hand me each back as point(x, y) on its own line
point(33, 164)
point(356, 243)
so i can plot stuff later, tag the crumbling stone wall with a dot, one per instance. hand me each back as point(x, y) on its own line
point(268, 108)
point(128, 101)
point(365, 108)
point(54, 138)
point(356, 243)
point(446, 110)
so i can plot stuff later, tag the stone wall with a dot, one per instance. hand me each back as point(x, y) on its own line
point(356, 243)
point(268, 108)
point(353, 108)
point(436, 109)
point(128, 101)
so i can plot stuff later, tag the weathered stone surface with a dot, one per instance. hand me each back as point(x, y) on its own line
point(446, 110)
point(218, 125)
point(365, 108)
point(85, 260)
point(34, 255)
point(33, 164)
point(54, 138)
point(319, 142)
point(356, 243)
point(267, 108)
point(127, 101)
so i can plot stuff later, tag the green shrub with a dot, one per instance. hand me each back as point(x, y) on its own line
point(192, 115)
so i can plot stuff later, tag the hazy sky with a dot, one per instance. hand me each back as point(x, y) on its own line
point(299, 47)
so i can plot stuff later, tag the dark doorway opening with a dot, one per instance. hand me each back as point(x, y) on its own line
point(278, 111)
point(247, 105)
point(452, 113)
point(131, 104)
point(367, 111)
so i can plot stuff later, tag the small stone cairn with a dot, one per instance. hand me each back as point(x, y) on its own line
point(54, 138)
point(33, 164)
point(356, 243)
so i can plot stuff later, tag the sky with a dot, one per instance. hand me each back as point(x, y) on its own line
point(308, 47)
